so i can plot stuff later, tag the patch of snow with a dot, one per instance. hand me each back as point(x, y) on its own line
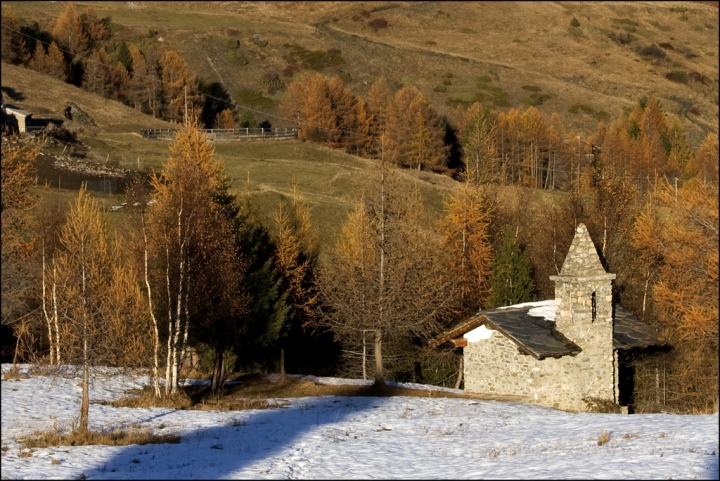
point(335, 437)
point(478, 334)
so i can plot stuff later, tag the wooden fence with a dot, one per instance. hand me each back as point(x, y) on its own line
point(226, 135)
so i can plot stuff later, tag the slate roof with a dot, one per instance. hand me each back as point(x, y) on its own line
point(538, 337)
point(533, 335)
point(629, 331)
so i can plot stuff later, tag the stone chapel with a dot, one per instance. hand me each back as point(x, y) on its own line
point(561, 353)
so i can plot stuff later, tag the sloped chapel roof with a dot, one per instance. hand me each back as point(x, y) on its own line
point(531, 326)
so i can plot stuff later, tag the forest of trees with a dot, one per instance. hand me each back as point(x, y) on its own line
point(197, 268)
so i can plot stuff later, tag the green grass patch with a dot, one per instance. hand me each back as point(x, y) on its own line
point(588, 110)
point(710, 26)
point(575, 31)
point(517, 40)
point(497, 96)
point(531, 88)
point(440, 88)
point(710, 54)
point(536, 99)
point(603, 45)
point(467, 30)
point(680, 9)
point(253, 98)
point(485, 79)
point(678, 76)
point(114, 28)
point(236, 57)
point(659, 26)
point(314, 59)
point(625, 21)
point(465, 99)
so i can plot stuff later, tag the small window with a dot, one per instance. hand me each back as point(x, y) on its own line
point(594, 307)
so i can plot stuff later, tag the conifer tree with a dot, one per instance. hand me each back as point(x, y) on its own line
point(12, 44)
point(19, 202)
point(466, 230)
point(99, 301)
point(295, 258)
point(478, 132)
point(677, 237)
point(177, 82)
point(511, 280)
point(97, 76)
point(39, 58)
point(137, 85)
point(55, 63)
point(69, 32)
point(268, 307)
point(225, 120)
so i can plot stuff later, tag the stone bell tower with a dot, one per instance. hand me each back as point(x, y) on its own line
point(584, 314)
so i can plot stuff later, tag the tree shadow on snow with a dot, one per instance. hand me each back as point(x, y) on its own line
point(246, 438)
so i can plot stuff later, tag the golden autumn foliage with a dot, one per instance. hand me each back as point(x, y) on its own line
point(677, 238)
point(225, 120)
point(18, 223)
point(69, 32)
point(178, 83)
point(467, 241)
point(296, 255)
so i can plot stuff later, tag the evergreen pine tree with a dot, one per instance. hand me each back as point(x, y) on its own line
point(510, 282)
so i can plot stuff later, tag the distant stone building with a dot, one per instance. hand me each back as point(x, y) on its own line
point(17, 119)
point(561, 353)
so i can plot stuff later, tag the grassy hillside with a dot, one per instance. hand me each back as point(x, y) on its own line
point(46, 97)
point(330, 180)
point(504, 54)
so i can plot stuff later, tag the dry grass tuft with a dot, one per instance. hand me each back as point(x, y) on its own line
point(630, 435)
point(604, 438)
point(13, 374)
point(55, 461)
point(112, 437)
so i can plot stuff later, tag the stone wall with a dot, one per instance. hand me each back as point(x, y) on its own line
point(495, 366)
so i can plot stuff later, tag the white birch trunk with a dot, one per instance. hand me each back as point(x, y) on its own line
point(44, 308)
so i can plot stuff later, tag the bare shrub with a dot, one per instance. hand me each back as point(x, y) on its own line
point(290, 70)
point(112, 437)
point(652, 51)
point(356, 18)
point(272, 79)
point(365, 13)
point(597, 405)
point(13, 374)
point(698, 77)
point(603, 438)
point(377, 23)
point(667, 46)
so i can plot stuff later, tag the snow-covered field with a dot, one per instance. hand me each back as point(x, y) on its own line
point(355, 437)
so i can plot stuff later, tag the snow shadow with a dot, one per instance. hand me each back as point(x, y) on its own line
point(245, 438)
